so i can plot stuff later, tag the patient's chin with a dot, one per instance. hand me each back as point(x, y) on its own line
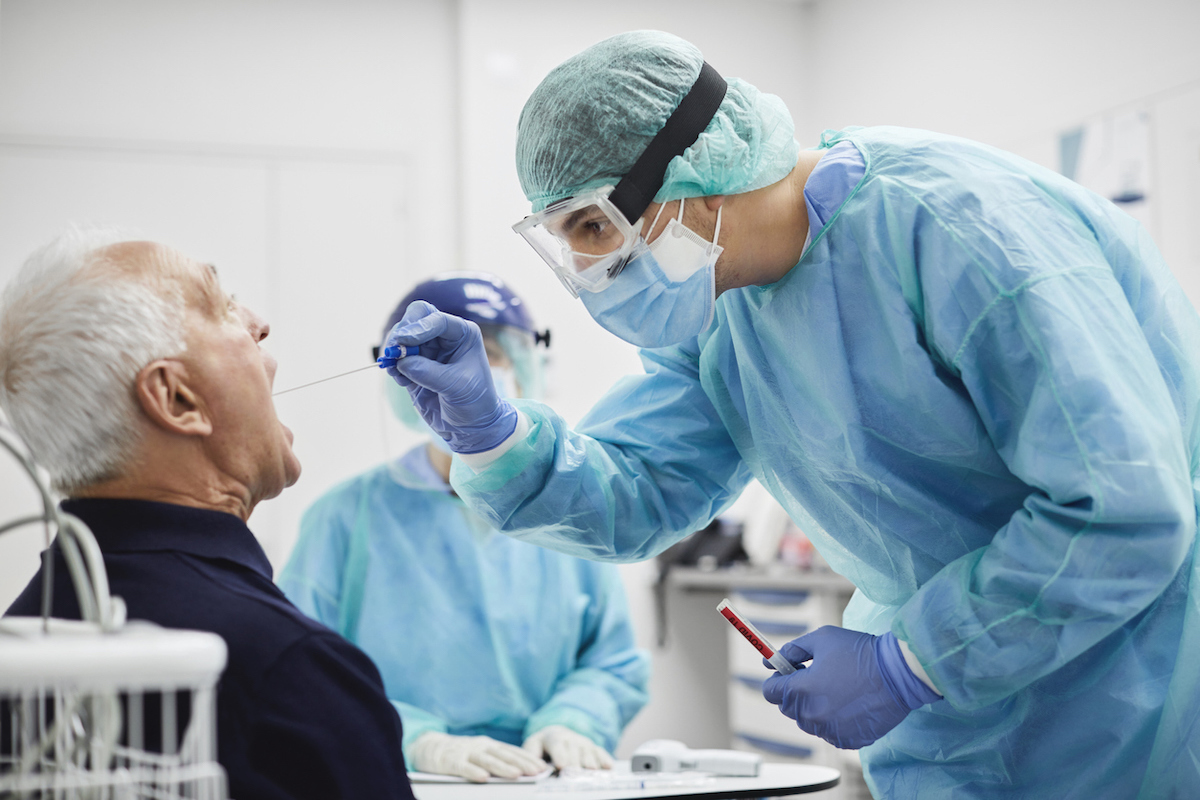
point(291, 464)
point(292, 470)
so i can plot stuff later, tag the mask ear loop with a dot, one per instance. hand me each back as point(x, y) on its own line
point(717, 229)
point(654, 224)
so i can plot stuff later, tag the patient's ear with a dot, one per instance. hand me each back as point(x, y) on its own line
point(169, 401)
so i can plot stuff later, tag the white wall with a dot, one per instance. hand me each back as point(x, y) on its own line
point(328, 154)
point(998, 72)
point(306, 148)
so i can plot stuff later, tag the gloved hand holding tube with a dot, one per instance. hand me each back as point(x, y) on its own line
point(856, 688)
point(449, 380)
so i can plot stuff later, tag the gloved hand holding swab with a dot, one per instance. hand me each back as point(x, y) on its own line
point(451, 384)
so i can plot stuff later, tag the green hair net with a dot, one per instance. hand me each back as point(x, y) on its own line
point(590, 119)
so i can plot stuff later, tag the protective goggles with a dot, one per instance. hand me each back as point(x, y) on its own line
point(588, 239)
point(584, 239)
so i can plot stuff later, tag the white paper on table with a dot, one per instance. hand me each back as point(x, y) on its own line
point(430, 777)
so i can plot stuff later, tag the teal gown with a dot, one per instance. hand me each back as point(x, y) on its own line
point(977, 392)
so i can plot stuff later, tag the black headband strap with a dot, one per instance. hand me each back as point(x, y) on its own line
point(636, 190)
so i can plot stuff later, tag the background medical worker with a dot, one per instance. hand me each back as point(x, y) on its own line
point(484, 642)
point(978, 377)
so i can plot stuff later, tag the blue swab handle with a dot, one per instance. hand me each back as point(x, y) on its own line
point(393, 354)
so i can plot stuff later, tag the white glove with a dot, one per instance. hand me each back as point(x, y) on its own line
point(566, 748)
point(472, 757)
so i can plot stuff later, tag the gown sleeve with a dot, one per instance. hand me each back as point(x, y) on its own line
point(417, 722)
point(651, 463)
point(1071, 395)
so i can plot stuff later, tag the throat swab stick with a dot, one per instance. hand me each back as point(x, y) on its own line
point(389, 358)
point(760, 642)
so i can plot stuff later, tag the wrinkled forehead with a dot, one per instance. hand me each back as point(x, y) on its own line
point(170, 273)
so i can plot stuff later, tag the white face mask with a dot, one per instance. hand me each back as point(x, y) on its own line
point(679, 250)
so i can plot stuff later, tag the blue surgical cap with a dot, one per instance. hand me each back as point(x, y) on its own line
point(590, 119)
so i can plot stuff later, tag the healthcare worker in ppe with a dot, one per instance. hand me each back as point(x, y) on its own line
point(979, 378)
point(497, 654)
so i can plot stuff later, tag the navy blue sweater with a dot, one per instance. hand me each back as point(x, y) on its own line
point(301, 712)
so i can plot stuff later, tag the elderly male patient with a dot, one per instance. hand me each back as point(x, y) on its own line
point(143, 389)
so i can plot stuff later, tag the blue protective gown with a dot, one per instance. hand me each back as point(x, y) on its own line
point(980, 380)
point(473, 632)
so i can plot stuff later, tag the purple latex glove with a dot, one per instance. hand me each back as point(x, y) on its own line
point(857, 688)
point(450, 381)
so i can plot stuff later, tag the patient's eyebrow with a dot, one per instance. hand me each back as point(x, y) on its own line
point(211, 283)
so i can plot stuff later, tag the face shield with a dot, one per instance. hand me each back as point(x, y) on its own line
point(528, 362)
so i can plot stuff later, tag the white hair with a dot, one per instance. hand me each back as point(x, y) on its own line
point(72, 341)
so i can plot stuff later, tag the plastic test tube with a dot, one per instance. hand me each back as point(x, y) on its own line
point(760, 642)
